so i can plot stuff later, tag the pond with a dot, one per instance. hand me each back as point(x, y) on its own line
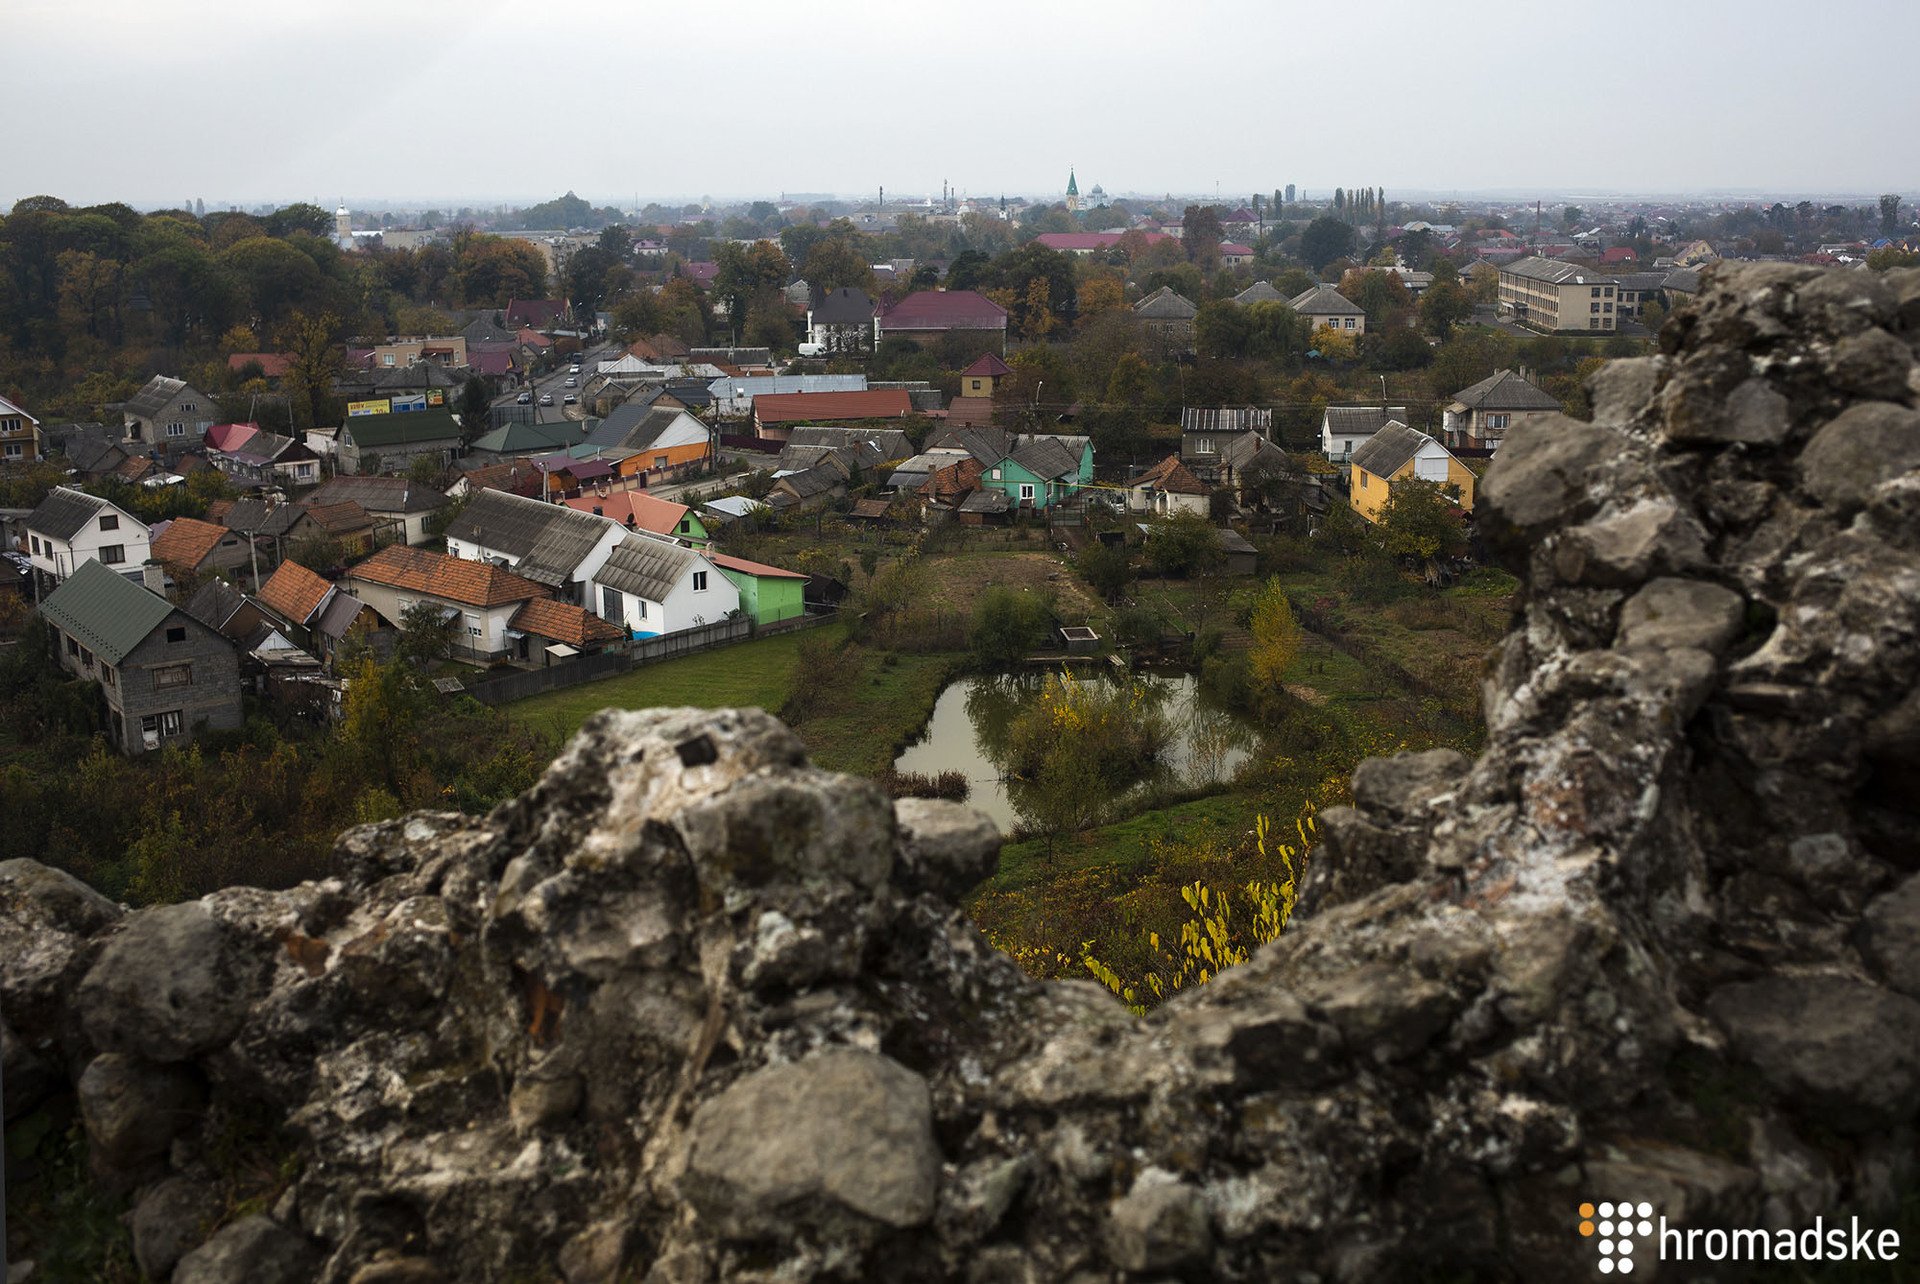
point(973, 716)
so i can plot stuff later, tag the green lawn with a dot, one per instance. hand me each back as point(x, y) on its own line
point(884, 699)
point(759, 673)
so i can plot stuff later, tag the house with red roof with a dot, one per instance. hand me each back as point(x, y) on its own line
point(273, 365)
point(767, 593)
point(1619, 256)
point(977, 379)
point(1085, 243)
point(534, 314)
point(927, 316)
point(638, 511)
point(775, 414)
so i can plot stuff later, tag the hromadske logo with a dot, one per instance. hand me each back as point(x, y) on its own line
point(1618, 1226)
point(1626, 1228)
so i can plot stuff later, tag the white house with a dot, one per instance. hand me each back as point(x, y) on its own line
point(1168, 488)
point(71, 527)
point(1344, 429)
point(649, 586)
point(483, 596)
point(549, 544)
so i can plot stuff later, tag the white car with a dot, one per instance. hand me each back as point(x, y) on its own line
point(574, 368)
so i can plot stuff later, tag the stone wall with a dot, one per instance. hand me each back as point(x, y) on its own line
point(691, 1010)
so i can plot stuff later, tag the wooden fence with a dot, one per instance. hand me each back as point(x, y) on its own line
point(623, 657)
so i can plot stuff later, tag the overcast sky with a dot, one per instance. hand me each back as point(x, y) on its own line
point(479, 101)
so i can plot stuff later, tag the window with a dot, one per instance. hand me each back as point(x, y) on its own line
point(176, 430)
point(188, 407)
point(109, 522)
point(641, 602)
point(1609, 292)
point(1606, 307)
point(659, 461)
point(178, 633)
point(14, 450)
point(699, 581)
point(73, 648)
point(996, 474)
point(1593, 307)
point(473, 625)
point(1204, 446)
point(172, 675)
point(1363, 479)
point(1026, 491)
point(106, 675)
point(686, 526)
point(1349, 323)
point(113, 554)
point(1497, 421)
point(386, 358)
point(161, 724)
point(609, 604)
point(34, 540)
point(86, 658)
point(1596, 291)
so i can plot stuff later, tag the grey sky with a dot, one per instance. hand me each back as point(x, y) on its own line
point(473, 101)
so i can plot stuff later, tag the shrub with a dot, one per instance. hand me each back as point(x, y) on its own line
point(1008, 625)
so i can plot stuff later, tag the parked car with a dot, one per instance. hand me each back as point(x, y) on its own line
point(574, 368)
point(546, 399)
point(572, 382)
point(572, 400)
point(524, 399)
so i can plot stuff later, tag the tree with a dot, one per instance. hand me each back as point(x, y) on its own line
point(1572, 216)
point(1184, 545)
point(316, 360)
point(1201, 235)
point(1106, 569)
point(1325, 240)
point(1101, 294)
point(302, 217)
point(1008, 625)
point(1276, 639)
point(1890, 213)
point(1444, 305)
point(1419, 520)
point(427, 633)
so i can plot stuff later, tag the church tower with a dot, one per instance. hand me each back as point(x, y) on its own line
point(1073, 191)
point(342, 226)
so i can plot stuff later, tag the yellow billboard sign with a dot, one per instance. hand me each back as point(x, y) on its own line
point(356, 408)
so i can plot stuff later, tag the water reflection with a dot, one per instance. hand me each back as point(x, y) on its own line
point(973, 719)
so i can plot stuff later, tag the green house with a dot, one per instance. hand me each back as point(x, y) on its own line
point(767, 593)
point(1044, 469)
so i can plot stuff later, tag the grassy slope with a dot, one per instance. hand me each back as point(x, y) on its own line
point(885, 702)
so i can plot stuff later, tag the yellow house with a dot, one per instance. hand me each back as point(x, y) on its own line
point(977, 379)
point(1398, 453)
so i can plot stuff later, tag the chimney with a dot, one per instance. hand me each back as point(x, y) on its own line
point(154, 577)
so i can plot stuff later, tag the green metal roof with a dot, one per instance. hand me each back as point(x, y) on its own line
point(107, 612)
point(374, 431)
point(519, 439)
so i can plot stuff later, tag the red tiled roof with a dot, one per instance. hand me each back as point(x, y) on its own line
point(562, 622)
point(944, 310)
point(344, 518)
point(293, 592)
point(133, 469)
point(231, 436)
point(515, 477)
point(1236, 249)
point(987, 366)
point(744, 567)
point(186, 542)
point(635, 508)
point(274, 365)
point(452, 578)
point(965, 412)
point(808, 407)
point(954, 481)
point(1172, 476)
